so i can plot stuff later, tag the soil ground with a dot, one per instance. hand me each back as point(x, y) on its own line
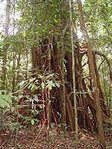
point(39, 138)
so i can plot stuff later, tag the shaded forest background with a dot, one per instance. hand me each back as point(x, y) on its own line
point(56, 61)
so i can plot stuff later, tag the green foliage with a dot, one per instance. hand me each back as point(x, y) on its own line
point(5, 100)
point(12, 126)
point(46, 81)
point(32, 122)
point(99, 22)
point(39, 19)
point(31, 92)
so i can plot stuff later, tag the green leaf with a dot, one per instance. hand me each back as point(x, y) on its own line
point(5, 101)
point(50, 85)
point(36, 98)
point(21, 84)
point(32, 122)
point(43, 85)
point(32, 79)
point(33, 87)
point(57, 84)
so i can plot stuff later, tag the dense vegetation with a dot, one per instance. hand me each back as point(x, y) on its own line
point(56, 59)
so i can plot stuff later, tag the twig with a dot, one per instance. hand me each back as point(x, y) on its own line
point(37, 135)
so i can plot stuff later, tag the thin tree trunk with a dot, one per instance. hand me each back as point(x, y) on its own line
point(73, 72)
point(14, 67)
point(4, 62)
point(13, 52)
point(27, 62)
point(50, 48)
point(62, 75)
point(63, 88)
point(18, 66)
point(93, 76)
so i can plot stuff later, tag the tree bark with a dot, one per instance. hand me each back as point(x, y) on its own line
point(6, 32)
point(93, 76)
point(73, 72)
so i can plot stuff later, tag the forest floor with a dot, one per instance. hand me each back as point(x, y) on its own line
point(39, 138)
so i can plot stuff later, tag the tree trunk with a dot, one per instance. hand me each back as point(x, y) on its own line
point(4, 61)
point(93, 76)
point(73, 73)
point(13, 52)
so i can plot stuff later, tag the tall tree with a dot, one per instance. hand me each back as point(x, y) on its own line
point(73, 69)
point(93, 76)
point(5, 47)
